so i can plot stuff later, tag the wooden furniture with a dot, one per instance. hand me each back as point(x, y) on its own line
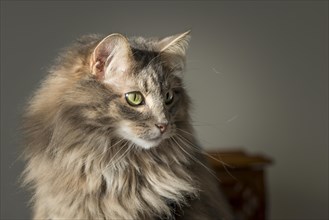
point(242, 179)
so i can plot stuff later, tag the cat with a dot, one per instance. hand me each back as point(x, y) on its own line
point(108, 135)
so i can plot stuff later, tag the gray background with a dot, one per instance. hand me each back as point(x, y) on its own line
point(257, 72)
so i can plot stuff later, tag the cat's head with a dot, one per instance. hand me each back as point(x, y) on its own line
point(147, 77)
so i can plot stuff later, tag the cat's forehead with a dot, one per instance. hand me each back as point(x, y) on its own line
point(149, 77)
point(149, 71)
point(152, 78)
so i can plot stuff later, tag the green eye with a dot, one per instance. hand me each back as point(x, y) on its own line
point(169, 98)
point(134, 98)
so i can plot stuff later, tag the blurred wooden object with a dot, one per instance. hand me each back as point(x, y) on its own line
point(242, 179)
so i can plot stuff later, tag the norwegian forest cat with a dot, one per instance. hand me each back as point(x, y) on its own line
point(108, 135)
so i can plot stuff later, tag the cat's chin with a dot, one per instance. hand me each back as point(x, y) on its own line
point(146, 144)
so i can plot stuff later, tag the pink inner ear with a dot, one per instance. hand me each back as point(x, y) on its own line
point(100, 59)
point(98, 64)
point(99, 69)
point(111, 54)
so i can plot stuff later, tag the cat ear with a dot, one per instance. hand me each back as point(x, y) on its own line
point(173, 50)
point(111, 55)
point(176, 44)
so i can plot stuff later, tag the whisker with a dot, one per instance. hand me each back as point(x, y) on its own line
point(194, 159)
point(123, 155)
point(86, 159)
point(106, 149)
point(200, 150)
point(110, 162)
point(186, 132)
point(112, 146)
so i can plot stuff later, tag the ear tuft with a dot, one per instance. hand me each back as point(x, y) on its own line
point(173, 50)
point(176, 44)
point(112, 54)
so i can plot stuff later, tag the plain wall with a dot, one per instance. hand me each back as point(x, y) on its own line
point(257, 73)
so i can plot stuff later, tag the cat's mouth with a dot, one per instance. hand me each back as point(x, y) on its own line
point(158, 138)
point(146, 141)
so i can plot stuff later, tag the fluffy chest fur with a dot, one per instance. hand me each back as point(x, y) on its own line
point(89, 185)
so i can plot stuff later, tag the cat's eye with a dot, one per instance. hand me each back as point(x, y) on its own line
point(134, 98)
point(169, 98)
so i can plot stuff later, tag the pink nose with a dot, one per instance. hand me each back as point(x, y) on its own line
point(162, 127)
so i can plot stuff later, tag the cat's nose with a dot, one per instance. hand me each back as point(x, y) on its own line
point(162, 127)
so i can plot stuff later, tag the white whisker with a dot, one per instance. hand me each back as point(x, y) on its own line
point(112, 159)
point(193, 158)
point(200, 150)
point(123, 155)
point(185, 132)
point(107, 148)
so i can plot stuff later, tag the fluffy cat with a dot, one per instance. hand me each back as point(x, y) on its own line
point(108, 135)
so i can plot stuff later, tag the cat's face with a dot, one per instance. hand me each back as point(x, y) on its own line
point(151, 98)
point(148, 107)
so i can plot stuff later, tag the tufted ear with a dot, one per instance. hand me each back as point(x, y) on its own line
point(111, 56)
point(173, 50)
point(176, 44)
